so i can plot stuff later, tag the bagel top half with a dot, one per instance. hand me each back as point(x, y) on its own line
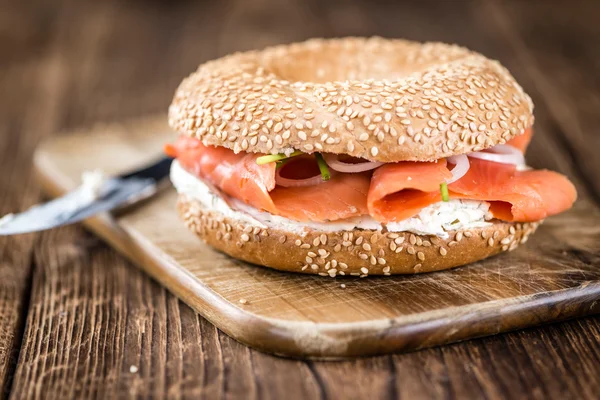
point(378, 99)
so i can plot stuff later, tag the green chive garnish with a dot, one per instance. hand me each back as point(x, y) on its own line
point(325, 175)
point(276, 157)
point(444, 190)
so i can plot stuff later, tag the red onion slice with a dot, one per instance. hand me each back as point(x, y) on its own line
point(461, 167)
point(287, 182)
point(501, 153)
point(340, 166)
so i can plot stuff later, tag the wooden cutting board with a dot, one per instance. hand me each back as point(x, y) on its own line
point(554, 277)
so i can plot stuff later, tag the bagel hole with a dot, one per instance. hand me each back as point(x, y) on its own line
point(364, 61)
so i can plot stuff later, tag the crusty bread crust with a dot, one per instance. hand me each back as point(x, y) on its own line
point(379, 99)
point(357, 252)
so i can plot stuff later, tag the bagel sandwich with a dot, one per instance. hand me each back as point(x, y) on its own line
point(358, 156)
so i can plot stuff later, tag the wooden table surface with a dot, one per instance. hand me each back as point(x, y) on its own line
point(78, 321)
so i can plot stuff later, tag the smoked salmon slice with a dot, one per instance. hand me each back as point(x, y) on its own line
point(343, 196)
point(239, 176)
point(400, 190)
point(523, 196)
point(393, 192)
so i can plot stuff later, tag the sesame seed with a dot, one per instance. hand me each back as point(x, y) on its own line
point(243, 301)
point(364, 270)
point(245, 237)
point(524, 239)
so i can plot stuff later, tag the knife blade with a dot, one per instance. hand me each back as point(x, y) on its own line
point(82, 203)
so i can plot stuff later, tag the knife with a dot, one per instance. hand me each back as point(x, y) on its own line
point(85, 201)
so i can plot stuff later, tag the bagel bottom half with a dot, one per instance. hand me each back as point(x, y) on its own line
point(358, 252)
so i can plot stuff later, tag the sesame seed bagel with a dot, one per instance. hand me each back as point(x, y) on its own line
point(379, 99)
point(357, 252)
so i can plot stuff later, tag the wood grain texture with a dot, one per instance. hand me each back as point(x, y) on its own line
point(28, 114)
point(69, 63)
point(301, 315)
